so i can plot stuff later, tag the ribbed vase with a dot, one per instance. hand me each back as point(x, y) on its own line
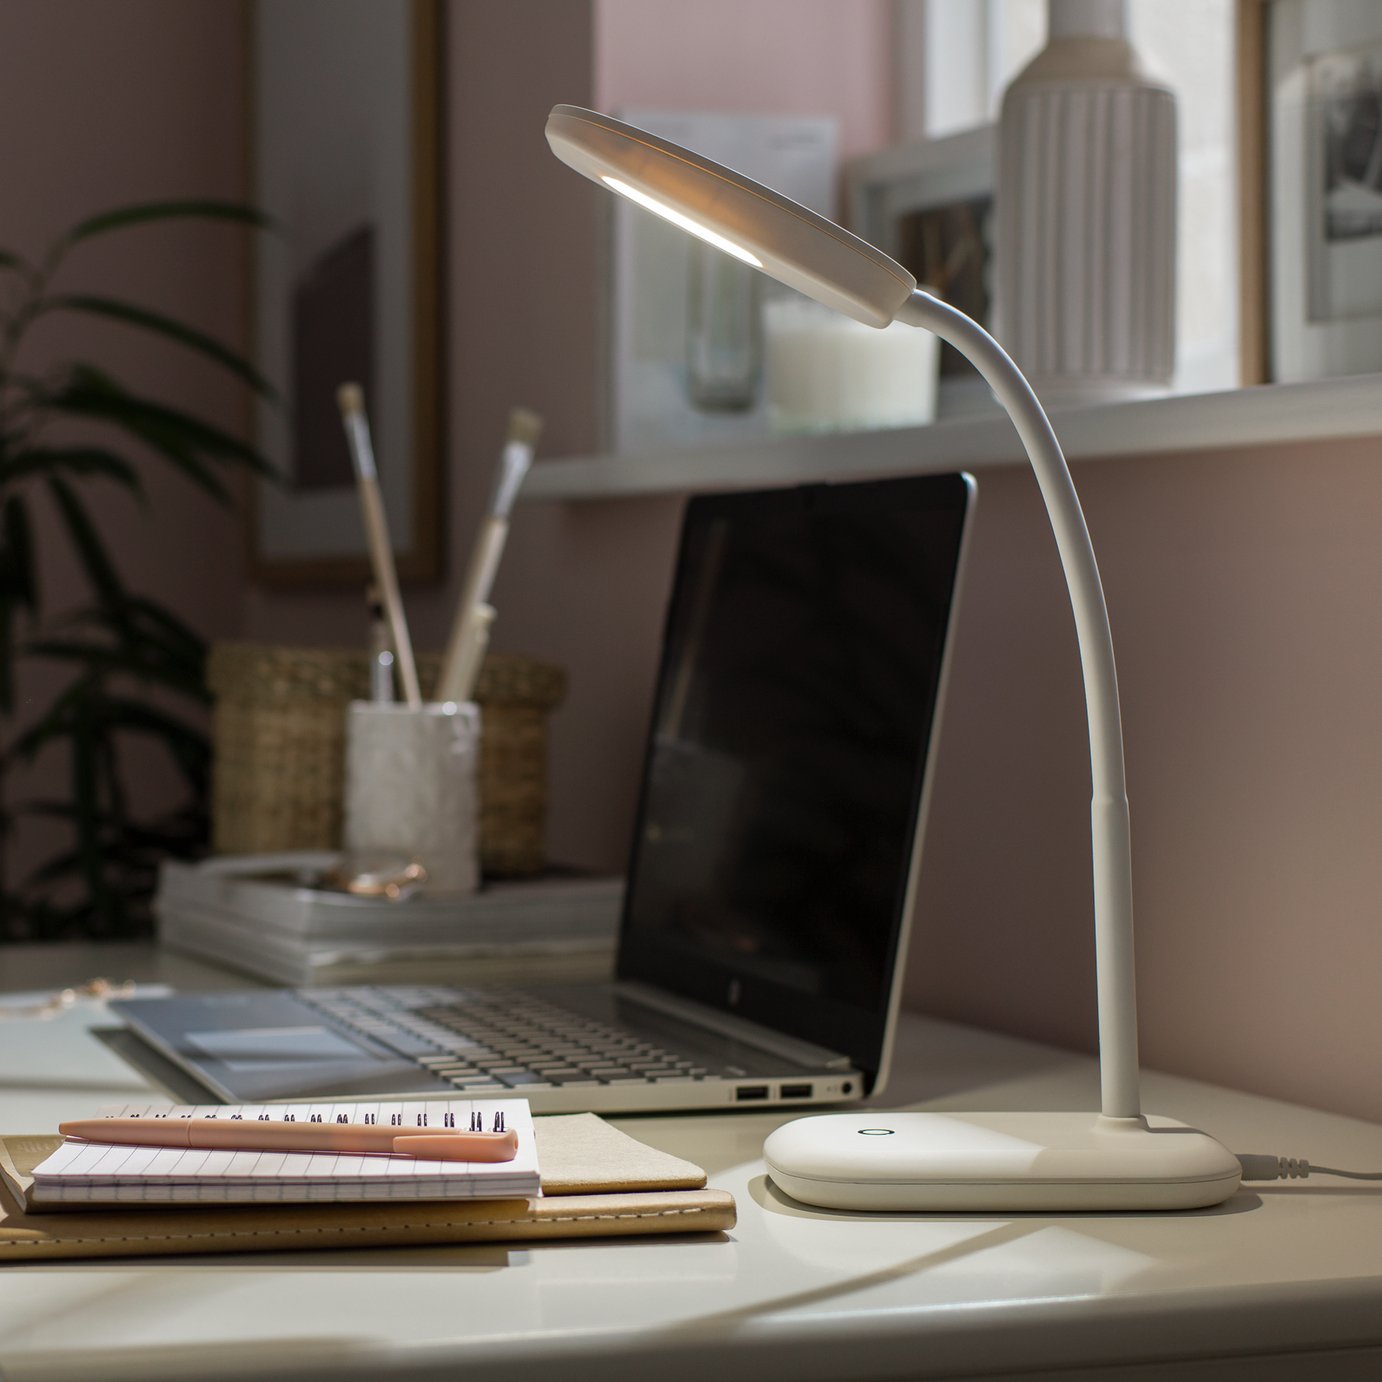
point(1085, 254)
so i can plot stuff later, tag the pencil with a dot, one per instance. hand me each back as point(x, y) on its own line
point(351, 399)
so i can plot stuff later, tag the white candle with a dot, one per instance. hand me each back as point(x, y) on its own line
point(826, 372)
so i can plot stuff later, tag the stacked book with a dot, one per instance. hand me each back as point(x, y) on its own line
point(250, 913)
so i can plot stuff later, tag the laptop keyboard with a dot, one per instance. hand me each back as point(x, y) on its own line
point(497, 1039)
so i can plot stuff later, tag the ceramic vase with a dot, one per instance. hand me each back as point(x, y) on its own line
point(1085, 258)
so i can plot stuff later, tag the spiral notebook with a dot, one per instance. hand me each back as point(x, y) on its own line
point(92, 1173)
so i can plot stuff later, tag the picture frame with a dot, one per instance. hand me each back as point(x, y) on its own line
point(1249, 48)
point(345, 139)
point(687, 354)
point(928, 204)
point(1310, 84)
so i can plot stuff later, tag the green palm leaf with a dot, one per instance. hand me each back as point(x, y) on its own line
point(129, 657)
point(184, 741)
point(163, 626)
point(167, 442)
point(166, 326)
point(100, 571)
point(145, 212)
point(18, 569)
point(139, 850)
point(18, 588)
point(18, 264)
point(143, 663)
point(141, 628)
point(178, 435)
point(77, 460)
point(6, 665)
point(61, 865)
point(75, 714)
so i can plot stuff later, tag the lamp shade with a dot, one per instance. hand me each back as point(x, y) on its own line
point(770, 231)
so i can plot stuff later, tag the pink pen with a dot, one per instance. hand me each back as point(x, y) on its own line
point(233, 1134)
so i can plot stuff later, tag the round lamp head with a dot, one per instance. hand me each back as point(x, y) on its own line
point(740, 216)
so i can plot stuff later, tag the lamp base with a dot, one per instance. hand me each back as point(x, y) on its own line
point(968, 1162)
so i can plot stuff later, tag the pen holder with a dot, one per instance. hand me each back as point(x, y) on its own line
point(411, 787)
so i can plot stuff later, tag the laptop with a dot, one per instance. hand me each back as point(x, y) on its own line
point(773, 865)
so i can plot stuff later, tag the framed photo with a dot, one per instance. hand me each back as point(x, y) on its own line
point(345, 136)
point(687, 343)
point(1311, 95)
point(929, 204)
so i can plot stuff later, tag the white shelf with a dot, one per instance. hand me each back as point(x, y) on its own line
point(1266, 415)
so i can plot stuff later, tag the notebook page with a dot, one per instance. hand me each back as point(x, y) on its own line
point(98, 1173)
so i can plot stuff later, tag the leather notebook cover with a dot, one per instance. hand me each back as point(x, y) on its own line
point(596, 1182)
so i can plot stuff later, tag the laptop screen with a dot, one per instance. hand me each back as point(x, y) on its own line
point(794, 709)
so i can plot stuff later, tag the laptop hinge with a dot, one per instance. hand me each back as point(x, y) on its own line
point(738, 1028)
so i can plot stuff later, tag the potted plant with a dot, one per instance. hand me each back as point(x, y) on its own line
point(136, 670)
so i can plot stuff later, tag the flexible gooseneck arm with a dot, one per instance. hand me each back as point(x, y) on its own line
point(1113, 931)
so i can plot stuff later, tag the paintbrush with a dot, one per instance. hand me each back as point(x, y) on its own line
point(465, 650)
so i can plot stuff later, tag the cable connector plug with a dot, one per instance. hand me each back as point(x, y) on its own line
point(1258, 1166)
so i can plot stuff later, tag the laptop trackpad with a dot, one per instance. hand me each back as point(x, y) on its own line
point(270, 1048)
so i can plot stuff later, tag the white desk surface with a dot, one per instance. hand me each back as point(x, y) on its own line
point(1283, 1282)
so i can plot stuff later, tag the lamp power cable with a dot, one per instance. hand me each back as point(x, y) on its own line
point(1259, 1167)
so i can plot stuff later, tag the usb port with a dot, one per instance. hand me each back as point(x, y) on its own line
point(795, 1091)
point(751, 1091)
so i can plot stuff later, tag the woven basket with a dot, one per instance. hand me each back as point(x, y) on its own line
point(278, 729)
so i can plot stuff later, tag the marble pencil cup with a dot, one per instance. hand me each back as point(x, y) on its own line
point(412, 786)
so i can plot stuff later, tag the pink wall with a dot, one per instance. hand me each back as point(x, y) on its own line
point(1243, 590)
point(768, 56)
point(102, 105)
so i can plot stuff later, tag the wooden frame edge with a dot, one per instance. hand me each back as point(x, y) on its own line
point(423, 563)
point(1250, 22)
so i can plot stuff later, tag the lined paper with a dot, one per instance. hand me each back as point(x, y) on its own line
point(97, 1173)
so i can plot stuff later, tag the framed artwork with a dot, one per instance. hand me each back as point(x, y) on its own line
point(1310, 77)
point(345, 115)
point(929, 204)
point(687, 342)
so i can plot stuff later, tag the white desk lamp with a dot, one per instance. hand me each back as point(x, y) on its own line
point(1113, 1160)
